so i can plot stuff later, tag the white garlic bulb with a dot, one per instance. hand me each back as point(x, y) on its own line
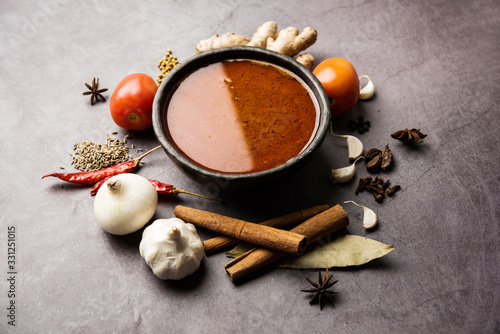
point(172, 248)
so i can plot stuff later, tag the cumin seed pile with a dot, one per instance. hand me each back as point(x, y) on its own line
point(90, 156)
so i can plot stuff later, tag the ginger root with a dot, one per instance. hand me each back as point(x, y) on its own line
point(216, 42)
point(288, 41)
point(265, 31)
point(306, 59)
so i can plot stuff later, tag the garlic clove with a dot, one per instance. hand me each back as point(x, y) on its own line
point(354, 145)
point(344, 174)
point(369, 219)
point(369, 216)
point(368, 90)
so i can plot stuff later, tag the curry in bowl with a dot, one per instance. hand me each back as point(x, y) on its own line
point(241, 116)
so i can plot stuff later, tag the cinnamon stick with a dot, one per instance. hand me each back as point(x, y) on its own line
point(260, 235)
point(315, 228)
point(221, 242)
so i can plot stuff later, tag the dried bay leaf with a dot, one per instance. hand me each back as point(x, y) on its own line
point(343, 251)
point(240, 249)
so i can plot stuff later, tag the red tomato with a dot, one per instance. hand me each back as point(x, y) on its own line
point(131, 104)
point(341, 83)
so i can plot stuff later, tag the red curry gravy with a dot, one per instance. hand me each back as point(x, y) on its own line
point(241, 116)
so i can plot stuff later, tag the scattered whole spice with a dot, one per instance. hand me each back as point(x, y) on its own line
point(377, 160)
point(92, 177)
point(160, 187)
point(377, 187)
point(344, 250)
point(372, 153)
point(321, 289)
point(386, 158)
point(363, 182)
point(168, 189)
point(90, 156)
point(283, 241)
point(315, 228)
point(359, 125)
point(94, 91)
point(166, 64)
point(374, 164)
point(390, 191)
point(409, 137)
point(220, 242)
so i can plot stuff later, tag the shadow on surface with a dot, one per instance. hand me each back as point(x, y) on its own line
point(187, 284)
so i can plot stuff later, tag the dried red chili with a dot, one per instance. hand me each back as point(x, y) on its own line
point(160, 187)
point(98, 185)
point(91, 178)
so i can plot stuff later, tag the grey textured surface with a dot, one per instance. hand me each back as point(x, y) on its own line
point(436, 67)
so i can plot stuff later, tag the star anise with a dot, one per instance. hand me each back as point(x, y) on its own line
point(94, 91)
point(320, 289)
point(413, 136)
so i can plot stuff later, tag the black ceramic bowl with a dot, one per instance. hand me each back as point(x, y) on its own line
point(223, 181)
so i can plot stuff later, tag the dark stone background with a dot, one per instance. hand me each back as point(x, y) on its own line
point(435, 65)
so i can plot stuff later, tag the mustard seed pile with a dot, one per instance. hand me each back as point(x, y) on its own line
point(166, 64)
point(90, 156)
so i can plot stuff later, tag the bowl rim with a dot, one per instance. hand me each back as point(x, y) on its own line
point(185, 68)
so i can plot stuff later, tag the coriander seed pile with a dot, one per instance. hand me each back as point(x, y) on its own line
point(166, 64)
